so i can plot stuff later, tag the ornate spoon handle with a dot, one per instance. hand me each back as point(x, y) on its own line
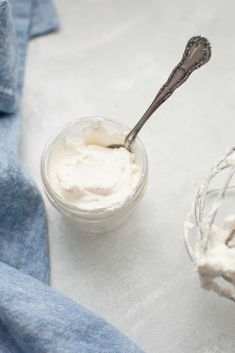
point(196, 54)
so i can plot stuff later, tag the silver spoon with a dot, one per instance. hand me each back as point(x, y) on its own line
point(196, 54)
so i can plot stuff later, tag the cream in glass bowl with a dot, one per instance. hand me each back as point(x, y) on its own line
point(96, 186)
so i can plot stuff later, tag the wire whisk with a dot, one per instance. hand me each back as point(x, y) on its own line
point(200, 228)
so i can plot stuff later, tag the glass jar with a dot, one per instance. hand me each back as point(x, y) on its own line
point(102, 219)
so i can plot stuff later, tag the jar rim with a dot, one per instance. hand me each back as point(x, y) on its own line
point(102, 211)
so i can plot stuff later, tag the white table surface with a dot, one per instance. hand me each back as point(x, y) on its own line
point(110, 58)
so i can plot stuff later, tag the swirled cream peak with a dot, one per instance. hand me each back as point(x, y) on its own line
point(89, 175)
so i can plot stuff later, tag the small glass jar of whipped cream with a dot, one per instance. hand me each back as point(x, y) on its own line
point(94, 185)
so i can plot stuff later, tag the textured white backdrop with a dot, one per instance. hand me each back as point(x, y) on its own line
point(110, 58)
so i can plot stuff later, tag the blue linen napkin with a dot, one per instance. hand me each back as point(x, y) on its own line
point(33, 316)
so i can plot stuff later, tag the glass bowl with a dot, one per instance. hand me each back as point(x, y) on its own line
point(102, 219)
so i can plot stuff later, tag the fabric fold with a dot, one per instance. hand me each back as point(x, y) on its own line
point(8, 60)
point(43, 320)
point(44, 18)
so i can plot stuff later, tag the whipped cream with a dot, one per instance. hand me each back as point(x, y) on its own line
point(89, 175)
point(219, 256)
point(216, 258)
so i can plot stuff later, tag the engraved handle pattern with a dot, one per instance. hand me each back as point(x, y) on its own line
point(196, 54)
